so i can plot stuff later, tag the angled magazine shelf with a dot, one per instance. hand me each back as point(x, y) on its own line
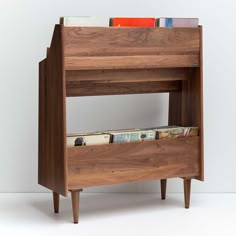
point(87, 61)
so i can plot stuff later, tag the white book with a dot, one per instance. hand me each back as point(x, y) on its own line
point(85, 21)
point(178, 22)
point(87, 139)
point(120, 130)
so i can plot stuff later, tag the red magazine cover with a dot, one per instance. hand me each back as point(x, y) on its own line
point(132, 22)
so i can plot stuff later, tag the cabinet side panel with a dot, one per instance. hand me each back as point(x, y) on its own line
point(186, 107)
point(192, 104)
point(198, 103)
point(42, 123)
point(197, 114)
point(55, 168)
point(202, 122)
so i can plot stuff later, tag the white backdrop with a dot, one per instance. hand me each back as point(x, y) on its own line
point(26, 28)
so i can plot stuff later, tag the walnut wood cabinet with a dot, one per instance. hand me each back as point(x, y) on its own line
point(87, 61)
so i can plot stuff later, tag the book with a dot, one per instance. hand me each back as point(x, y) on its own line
point(84, 21)
point(119, 130)
point(132, 22)
point(132, 136)
point(170, 132)
point(176, 22)
point(191, 131)
point(87, 139)
point(160, 127)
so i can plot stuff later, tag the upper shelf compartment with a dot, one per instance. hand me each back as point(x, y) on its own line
point(98, 48)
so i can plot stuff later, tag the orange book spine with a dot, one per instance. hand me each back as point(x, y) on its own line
point(132, 22)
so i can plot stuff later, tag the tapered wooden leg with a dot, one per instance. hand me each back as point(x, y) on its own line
point(187, 189)
point(75, 205)
point(56, 198)
point(163, 189)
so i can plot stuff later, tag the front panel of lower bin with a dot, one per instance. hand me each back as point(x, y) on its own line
point(126, 162)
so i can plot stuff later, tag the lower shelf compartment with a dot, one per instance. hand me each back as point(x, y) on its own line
point(138, 161)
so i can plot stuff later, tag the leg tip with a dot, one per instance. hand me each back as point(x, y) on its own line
point(163, 198)
point(75, 222)
point(56, 211)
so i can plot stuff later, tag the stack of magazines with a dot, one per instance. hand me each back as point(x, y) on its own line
point(130, 135)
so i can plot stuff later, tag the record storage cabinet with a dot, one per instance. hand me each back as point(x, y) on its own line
point(89, 61)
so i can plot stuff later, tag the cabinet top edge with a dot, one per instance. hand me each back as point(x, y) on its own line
point(128, 28)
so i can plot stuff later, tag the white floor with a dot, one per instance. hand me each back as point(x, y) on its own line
point(118, 214)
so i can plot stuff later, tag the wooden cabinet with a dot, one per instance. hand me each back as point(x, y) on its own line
point(87, 61)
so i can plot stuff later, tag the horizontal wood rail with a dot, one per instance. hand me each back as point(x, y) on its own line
point(88, 88)
point(130, 62)
point(128, 75)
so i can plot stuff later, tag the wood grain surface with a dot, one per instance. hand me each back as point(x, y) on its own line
point(42, 151)
point(126, 162)
point(130, 41)
point(85, 88)
point(186, 105)
point(53, 165)
point(129, 62)
point(127, 75)
point(87, 61)
point(92, 48)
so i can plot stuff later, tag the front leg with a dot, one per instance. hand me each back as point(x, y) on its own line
point(75, 194)
point(187, 189)
point(163, 189)
point(56, 199)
